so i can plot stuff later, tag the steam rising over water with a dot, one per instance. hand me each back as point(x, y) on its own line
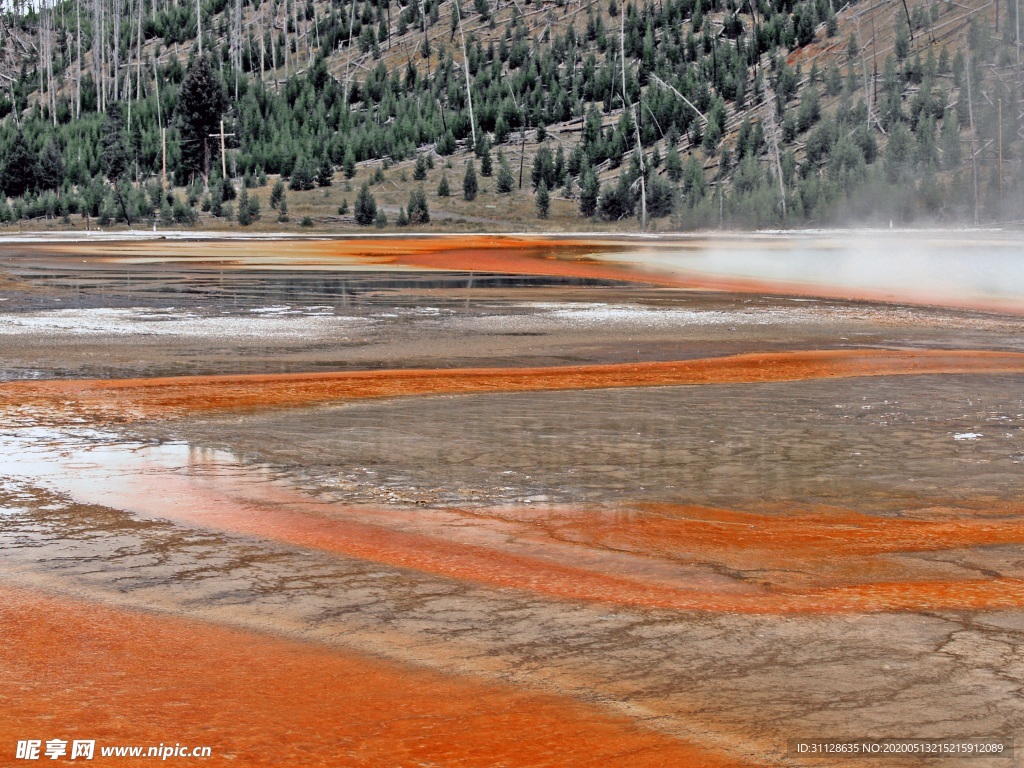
point(964, 269)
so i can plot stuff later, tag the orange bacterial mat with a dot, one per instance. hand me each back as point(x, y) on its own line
point(122, 399)
point(72, 670)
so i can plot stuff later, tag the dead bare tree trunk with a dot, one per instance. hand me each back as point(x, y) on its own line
point(160, 125)
point(522, 133)
point(40, 64)
point(465, 65)
point(273, 55)
point(636, 125)
point(238, 43)
point(974, 135)
point(773, 132)
point(426, 40)
point(117, 49)
point(51, 92)
point(78, 85)
point(287, 43)
point(348, 49)
point(97, 55)
point(263, 45)
point(295, 26)
point(138, 45)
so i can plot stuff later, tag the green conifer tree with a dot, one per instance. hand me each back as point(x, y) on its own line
point(418, 211)
point(469, 184)
point(366, 206)
point(673, 164)
point(198, 110)
point(276, 193)
point(51, 166)
point(543, 201)
point(590, 190)
point(486, 165)
point(420, 171)
point(505, 182)
point(325, 173)
point(951, 155)
point(19, 168)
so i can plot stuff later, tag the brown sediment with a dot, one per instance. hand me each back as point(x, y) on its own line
point(125, 399)
point(72, 670)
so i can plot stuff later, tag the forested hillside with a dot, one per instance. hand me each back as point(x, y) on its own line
point(677, 114)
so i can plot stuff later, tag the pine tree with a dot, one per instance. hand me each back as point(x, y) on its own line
point(673, 164)
point(925, 150)
point(325, 174)
point(51, 166)
point(902, 45)
point(276, 193)
point(486, 165)
point(350, 163)
point(19, 169)
point(898, 152)
point(590, 190)
point(543, 201)
point(469, 185)
point(543, 168)
point(446, 144)
point(115, 152)
point(282, 209)
point(950, 141)
point(243, 208)
point(198, 110)
point(366, 206)
point(420, 171)
point(302, 176)
point(505, 182)
point(418, 212)
point(248, 208)
point(443, 189)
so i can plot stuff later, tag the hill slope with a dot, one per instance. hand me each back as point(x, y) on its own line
point(748, 114)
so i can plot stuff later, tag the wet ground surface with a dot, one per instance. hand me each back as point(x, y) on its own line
point(644, 575)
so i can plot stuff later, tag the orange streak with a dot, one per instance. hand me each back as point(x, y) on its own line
point(132, 398)
point(800, 563)
point(70, 670)
point(785, 539)
point(569, 581)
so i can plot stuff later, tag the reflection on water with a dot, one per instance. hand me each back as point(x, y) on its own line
point(201, 288)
